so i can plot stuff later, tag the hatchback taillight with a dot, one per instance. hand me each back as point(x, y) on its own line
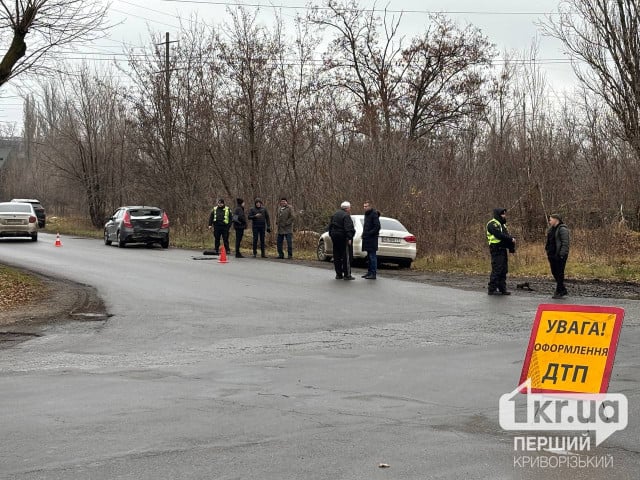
point(165, 220)
point(410, 239)
point(32, 219)
point(126, 221)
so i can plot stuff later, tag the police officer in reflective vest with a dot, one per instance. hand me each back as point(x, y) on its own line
point(220, 221)
point(500, 242)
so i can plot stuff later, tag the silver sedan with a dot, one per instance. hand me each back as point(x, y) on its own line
point(395, 243)
point(18, 220)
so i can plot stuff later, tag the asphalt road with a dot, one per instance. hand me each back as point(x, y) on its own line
point(260, 369)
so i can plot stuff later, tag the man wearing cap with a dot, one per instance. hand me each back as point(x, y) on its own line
point(342, 231)
point(284, 222)
point(557, 248)
point(220, 221)
point(239, 224)
point(500, 242)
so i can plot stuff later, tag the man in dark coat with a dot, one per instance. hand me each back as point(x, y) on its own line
point(342, 231)
point(500, 242)
point(371, 229)
point(239, 223)
point(220, 221)
point(260, 222)
point(557, 248)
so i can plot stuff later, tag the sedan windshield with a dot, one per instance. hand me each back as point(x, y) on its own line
point(391, 224)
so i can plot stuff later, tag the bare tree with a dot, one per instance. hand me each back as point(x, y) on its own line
point(84, 138)
point(446, 72)
point(249, 54)
point(603, 37)
point(49, 25)
point(364, 59)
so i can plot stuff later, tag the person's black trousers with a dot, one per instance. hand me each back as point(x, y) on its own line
point(239, 235)
point(258, 232)
point(342, 254)
point(557, 265)
point(221, 232)
point(499, 269)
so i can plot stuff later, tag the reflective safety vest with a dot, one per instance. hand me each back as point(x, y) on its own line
point(227, 215)
point(491, 238)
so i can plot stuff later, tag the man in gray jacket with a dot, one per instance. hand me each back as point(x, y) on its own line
point(557, 248)
point(284, 221)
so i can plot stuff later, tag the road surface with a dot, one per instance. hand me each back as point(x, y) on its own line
point(261, 369)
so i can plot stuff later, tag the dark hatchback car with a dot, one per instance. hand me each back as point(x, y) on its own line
point(37, 206)
point(137, 225)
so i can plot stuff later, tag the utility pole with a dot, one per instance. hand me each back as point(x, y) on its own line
point(167, 99)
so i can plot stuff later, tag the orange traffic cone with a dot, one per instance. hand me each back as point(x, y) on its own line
point(58, 241)
point(223, 255)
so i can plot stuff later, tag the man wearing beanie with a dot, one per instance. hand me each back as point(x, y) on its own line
point(342, 231)
point(500, 242)
point(239, 223)
point(557, 248)
point(260, 222)
point(220, 221)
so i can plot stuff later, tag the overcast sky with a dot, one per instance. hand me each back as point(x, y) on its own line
point(509, 24)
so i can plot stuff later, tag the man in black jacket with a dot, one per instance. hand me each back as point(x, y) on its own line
point(260, 223)
point(370, 231)
point(500, 242)
point(557, 248)
point(239, 223)
point(342, 231)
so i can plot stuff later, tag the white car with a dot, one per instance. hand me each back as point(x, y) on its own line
point(18, 220)
point(395, 243)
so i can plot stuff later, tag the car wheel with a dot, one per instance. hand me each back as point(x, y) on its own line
point(106, 238)
point(34, 237)
point(404, 263)
point(321, 252)
point(121, 242)
point(164, 243)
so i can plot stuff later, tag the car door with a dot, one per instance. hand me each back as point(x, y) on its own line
point(112, 224)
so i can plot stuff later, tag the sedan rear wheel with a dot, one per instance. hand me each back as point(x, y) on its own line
point(164, 243)
point(106, 238)
point(34, 237)
point(121, 242)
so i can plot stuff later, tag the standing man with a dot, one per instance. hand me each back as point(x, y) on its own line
point(557, 248)
point(342, 231)
point(239, 223)
point(260, 222)
point(370, 232)
point(220, 221)
point(284, 221)
point(500, 242)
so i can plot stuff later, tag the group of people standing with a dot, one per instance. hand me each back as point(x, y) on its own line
point(501, 242)
point(342, 231)
point(221, 219)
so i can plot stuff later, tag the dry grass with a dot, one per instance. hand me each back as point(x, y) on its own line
point(18, 288)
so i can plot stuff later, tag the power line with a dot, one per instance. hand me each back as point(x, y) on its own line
point(377, 10)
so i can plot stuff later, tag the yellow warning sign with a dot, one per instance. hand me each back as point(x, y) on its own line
point(572, 348)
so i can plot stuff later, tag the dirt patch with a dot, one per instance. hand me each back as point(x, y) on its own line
point(58, 301)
